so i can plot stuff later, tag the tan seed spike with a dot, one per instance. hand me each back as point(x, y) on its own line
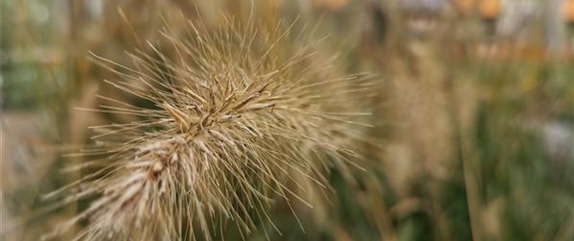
point(212, 153)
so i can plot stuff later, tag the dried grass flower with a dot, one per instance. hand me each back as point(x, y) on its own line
point(232, 120)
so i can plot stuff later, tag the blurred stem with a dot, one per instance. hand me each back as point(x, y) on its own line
point(465, 154)
point(396, 45)
point(75, 16)
point(383, 221)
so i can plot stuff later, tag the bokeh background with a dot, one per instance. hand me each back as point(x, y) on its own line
point(474, 119)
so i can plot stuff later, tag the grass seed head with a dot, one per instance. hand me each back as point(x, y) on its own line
point(239, 117)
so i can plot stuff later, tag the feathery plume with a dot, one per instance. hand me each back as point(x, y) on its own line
point(234, 119)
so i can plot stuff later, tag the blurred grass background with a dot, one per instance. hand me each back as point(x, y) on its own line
point(474, 135)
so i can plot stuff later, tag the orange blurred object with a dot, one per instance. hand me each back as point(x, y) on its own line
point(568, 10)
point(488, 9)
